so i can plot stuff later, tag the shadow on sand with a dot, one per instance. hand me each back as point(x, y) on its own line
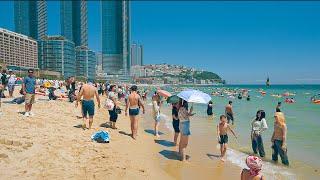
point(105, 125)
point(124, 133)
point(172, 155)
point(150, 131)
point(78, 126)
point(212, 156)
point(164, 143)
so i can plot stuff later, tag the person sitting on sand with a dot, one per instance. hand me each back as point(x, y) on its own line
point(253, 173)
point(222, 135)
point(258, 126)
point(279, 139)
point(184, 117)
point(88, 92)
point(134, 103)
point(229, 112)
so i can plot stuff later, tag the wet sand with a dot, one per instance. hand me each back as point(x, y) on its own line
point(51, 145)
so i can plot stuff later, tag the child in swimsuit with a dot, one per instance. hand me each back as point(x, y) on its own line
point(222, 130)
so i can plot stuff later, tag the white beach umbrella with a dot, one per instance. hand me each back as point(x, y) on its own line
point(194, 96)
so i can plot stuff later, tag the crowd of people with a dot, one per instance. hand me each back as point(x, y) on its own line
point(84, 94)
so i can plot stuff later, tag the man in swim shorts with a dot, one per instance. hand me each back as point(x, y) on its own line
point(229, 112)
point(134, 103)
point(88, 91)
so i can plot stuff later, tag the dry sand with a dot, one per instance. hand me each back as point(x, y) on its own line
point(50, 145)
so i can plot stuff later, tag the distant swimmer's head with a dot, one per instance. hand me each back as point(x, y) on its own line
point(134, 88)
point(230, 102)
point(255, 165)
point(223, 118)
point(279, 103)
point(279, 118)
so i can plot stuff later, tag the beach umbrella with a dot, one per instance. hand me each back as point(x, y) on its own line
point(173, 99)
point(195, 96)
point(163, 93)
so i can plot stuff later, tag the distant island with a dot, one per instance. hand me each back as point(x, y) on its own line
point(173, 74)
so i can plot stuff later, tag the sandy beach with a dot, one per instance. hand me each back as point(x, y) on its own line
point(51, 145)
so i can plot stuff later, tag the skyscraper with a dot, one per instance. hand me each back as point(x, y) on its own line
point(140, 55)
point(115, 37)
point(74, 22)
point(30, 18)
point(136, 54)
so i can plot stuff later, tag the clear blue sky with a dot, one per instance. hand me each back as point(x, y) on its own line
point(241, 41)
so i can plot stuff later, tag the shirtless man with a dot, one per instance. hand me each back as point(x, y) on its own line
point(88, 91)
point(222, 135)
point(134, 103)
point(229, 112)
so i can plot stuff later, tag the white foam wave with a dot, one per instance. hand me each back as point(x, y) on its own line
point(270, 170)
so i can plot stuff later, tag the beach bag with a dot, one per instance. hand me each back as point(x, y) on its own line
point(101, 137)
point(109, 105)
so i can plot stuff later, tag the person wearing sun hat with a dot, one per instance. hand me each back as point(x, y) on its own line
point(253, 173)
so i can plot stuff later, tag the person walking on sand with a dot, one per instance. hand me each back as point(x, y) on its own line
point(229, 113)
point(88, 91)
point(253, 173)
point(175, 122)
point(279, 139)
point(156, 112)
point(11, 83)
point(134, 103)
point(258, 126)
point(222, 134)
point(184, 117)
point(113, 96)
point(28, 89)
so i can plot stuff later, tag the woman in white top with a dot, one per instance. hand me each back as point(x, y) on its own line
point(258, 125)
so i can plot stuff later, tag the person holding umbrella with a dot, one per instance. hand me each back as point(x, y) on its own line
point(184, 116)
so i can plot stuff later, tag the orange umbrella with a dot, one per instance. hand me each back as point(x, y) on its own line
point(163, 93)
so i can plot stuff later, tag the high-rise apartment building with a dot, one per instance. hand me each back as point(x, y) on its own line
point(74, 22)
point(56, 53)
point(18, 50)
point(30, 18)
point(115, 37)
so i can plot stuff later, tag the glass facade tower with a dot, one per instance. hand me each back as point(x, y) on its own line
point(115, 37)
point(74, 21)
point(85, 63)
point(57, 53)
point(30, 18)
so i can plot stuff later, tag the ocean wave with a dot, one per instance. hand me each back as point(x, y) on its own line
point(270, 170)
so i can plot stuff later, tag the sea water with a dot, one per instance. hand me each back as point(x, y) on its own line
point(302, 118)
